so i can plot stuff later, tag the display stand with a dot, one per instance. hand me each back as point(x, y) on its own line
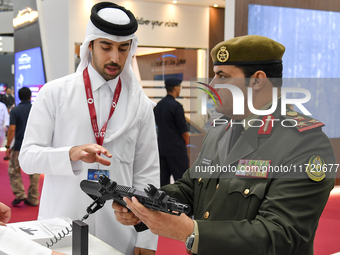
point(96, 247)
point(80, 238)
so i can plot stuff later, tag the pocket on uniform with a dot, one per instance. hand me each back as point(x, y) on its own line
point(246, 194)
point(248, 187)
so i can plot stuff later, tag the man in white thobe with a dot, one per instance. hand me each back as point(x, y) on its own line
point(77, 117)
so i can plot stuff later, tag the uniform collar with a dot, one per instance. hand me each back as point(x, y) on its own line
point(25, 102)
point(254, 116)
point(247, 143)
point(251, 134)
point(97, 80)
point(170, 96)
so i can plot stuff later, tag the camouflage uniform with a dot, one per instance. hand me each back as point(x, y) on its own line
point(17, 184)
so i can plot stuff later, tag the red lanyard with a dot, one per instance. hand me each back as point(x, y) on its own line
point(90, 102)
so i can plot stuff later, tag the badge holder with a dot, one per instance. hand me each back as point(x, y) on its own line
point(80, 238)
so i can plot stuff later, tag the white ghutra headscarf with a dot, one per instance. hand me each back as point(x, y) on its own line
point(116, 16)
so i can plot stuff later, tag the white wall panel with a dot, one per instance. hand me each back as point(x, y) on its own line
point(6, 43)
point(191, 32)
point(229, 19)
point(6, 19)
point(54, 36)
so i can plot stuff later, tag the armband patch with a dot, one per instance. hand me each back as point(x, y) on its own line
point(315, 168)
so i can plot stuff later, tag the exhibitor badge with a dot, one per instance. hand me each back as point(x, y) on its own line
point(93, 174)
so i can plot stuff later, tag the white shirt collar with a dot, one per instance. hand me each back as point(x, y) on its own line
point(97, 80)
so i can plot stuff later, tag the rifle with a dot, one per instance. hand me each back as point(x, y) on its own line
point(152, 198)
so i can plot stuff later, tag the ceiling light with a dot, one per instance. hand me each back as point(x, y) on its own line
point(215, 5)
point(0, 49)
point(174, 2)
point(0, 38)
point(0, 43)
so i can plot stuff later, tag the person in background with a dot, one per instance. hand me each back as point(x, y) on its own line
point(96, 121)
point(13, 243)
point(18, 121)
point(256, 203)
point(173, 133)
point(8, 99)
point(4, 122)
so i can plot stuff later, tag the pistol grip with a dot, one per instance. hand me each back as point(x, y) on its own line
point(140, 227)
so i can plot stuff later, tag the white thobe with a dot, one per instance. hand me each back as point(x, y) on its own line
point(60, 119)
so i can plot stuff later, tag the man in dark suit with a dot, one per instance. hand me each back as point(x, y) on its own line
point(173, 133)
point(8, 99)
point(254, 188)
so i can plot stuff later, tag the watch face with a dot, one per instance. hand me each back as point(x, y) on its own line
point(190, 242)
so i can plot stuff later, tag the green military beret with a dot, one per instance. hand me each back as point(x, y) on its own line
point(247, 50)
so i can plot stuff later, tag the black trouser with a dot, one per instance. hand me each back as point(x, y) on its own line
point(175, 166)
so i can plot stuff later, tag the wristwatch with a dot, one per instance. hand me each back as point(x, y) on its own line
point(7, 147)
point(190, 240)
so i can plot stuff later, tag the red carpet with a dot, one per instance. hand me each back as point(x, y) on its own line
point(327, 239)
point(21, 212)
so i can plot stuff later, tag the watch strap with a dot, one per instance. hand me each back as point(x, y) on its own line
point(190, 239)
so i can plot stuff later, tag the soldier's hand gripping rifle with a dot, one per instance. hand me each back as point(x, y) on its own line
point(106, 189)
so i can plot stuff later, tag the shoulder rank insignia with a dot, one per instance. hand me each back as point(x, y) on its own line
point(299, 118)
point(315, 168)
point(292, 113)
point(302, 122)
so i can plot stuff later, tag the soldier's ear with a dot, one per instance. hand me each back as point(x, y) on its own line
point(257, 80)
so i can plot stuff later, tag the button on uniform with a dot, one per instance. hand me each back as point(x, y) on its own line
point(200, 179)
point(246, 192)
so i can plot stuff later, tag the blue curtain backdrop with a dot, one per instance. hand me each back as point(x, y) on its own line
point(312, 39)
